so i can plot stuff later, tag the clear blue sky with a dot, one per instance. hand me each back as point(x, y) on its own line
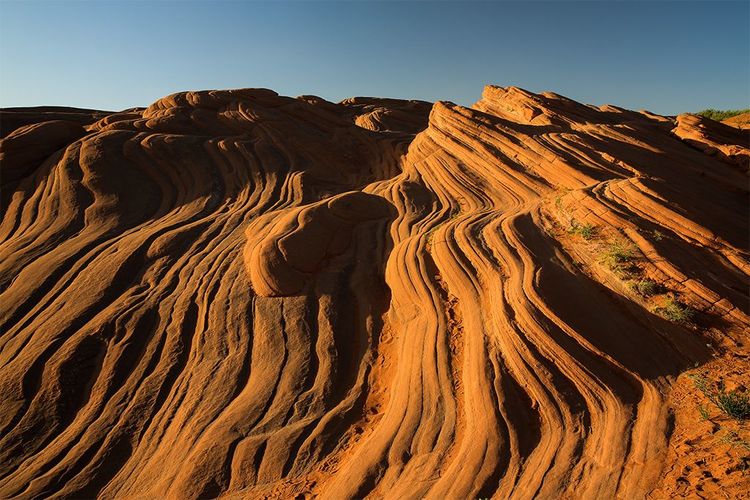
point(667, 57)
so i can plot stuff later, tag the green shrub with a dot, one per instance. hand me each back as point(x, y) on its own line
point(617, 254)
point(558, 200)
point(645, 287)
point(734, 440)
point(720, 115)
point(703, 412)
point(586, 231)
point(676, 311)
point(733, 403)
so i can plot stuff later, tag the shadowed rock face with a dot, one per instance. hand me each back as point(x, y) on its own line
point(239, 293)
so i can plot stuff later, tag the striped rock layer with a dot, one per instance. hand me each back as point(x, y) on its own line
point(235, 293)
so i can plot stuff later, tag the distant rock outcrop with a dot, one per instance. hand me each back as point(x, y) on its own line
point(741, 121)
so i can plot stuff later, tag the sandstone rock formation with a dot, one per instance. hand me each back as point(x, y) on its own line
point(741, 121)
point(235, 293)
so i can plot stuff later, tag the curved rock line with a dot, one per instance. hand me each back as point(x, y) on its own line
point(234, 293)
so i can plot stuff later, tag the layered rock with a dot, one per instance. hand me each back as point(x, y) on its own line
point(238, 293)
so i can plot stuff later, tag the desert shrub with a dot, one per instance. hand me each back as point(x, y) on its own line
point(734, 440)
point(657, 235)
point(733, 403)
point(676, 311)
point(645, 287)
point(618, 254)
point(558, 203)
point(703, 412)
point(558, 200)
point(586, 231)
point(719, 115)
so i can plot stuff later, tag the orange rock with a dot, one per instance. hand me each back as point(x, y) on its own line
point(235, 293)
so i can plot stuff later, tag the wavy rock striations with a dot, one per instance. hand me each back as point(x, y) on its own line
point(239, 293)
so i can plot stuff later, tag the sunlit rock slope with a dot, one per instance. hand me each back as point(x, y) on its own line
point(235, 293)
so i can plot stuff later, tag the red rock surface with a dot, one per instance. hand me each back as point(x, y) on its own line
point(741, 121)
point(235, 293)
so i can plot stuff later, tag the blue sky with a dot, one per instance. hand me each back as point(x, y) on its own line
point(664, 56)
